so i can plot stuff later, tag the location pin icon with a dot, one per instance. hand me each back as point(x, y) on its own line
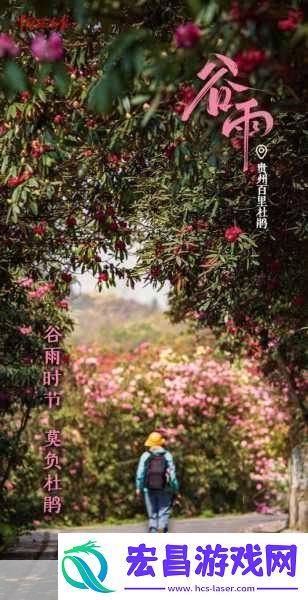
point(261, 151)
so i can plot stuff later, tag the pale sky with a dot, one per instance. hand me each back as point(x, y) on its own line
point(141, 293)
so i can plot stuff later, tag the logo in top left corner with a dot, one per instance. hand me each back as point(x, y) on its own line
point(90, 568)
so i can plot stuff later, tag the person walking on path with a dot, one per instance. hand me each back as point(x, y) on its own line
point(156, 479)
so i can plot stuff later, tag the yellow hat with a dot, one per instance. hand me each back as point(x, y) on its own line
point(154, 439)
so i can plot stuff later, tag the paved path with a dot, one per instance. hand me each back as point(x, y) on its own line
point(31, 571)
point(42, 543)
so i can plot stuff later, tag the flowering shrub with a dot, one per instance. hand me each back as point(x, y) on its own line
point(226, 429)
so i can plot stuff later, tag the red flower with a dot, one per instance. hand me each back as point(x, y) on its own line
point(71, 221)
point(186, 95)
point(58, 119)
point(113, 159)
point(37, 149)
point(61, 239)
point(170, 150)
point(275, 266)
point(97, 258)
point(235, 12)
point(120, 245)
point(113, 226)
point(239, 15)
point(13, 181)
point(100, 216)
point(248, 60)
point(155, 272)
point(103, 277)
point(90, 123)
point(87, 153)
point(232, 233)
point(295, 17)
point(63, 304)
point(251, 169)
point(187, 35)
point(25, 96)
point(40, 228)
point(298, 300)
point(66, 277)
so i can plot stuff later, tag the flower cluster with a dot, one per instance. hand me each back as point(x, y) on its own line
point(47, 49)
point(294, 18)
point(8, 46)
point(248, 60)
point(232, 233)
point(191, 399)
point(187, 35)
point(41, 291)
point(44, 49)
point(15, 181)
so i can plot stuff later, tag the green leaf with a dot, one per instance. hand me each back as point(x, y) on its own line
point(80, 11)
point(14, 77)
point(195, 7)
point(34, 207)
point(61, 78)
point(149, 114)
point(210, 12)
point(104, 91)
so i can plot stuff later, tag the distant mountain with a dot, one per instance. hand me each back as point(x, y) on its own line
point(118, 324)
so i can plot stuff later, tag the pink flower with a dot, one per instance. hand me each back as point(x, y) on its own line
point(262, 507)
point(9, 485)
point(63, 304)
point(41, 291)
point(25, 282)
point(8, 47)
point(248, 60)
point(236, 143)
point(232, 233)
point(295, 17)
point(47, 49)
point(25, 330)
point(187, 35)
